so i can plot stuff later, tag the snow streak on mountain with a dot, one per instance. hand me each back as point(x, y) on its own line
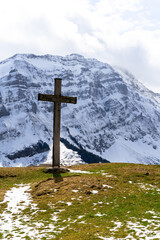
point(116, 118)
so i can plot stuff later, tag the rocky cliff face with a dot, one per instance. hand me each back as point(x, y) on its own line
point(116, 118)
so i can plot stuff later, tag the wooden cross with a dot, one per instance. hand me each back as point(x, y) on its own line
point(57, 99)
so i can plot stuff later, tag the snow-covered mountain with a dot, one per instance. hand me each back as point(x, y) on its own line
point(116, 118)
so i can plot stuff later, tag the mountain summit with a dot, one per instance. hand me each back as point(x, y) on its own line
point(116, 118)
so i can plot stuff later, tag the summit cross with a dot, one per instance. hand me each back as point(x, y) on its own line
point(57, 98)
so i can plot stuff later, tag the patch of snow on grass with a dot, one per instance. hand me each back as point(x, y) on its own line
point(149, 230)
point(106, 175)
point(104, 185)
point(55, 218)
point(69, 203)
point(11, 220)
point(16, 224)
point(100, 214)
point(117, 226)
point(149, 187)
point(75, 191)
point(82, 222)
point(79, 171)
point(81, 216)
point(94, 191)
point(17, 199)
point(104, 238)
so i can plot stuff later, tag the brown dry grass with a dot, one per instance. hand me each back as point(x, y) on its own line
point(64, 189)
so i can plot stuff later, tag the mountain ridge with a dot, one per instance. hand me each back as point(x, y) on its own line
point(115, 114)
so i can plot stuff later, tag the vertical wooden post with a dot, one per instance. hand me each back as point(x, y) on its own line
point(57, 99)
point(56, 127)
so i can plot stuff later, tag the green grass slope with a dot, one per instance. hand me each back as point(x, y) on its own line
point(102, 201)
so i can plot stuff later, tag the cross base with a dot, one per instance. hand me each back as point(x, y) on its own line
point(55, 170)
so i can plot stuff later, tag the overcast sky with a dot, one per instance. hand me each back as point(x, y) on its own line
point(124, 33)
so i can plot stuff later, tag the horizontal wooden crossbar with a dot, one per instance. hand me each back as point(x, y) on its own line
point(54, 98)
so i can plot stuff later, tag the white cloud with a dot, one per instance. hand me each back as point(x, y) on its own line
point(122, 32)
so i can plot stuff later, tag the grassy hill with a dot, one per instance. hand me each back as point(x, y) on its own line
point(95, 201)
